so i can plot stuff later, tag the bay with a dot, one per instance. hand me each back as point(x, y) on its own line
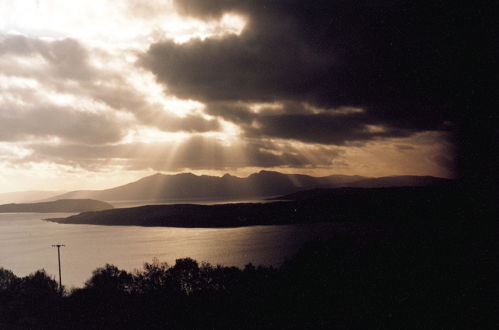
point(26, 244)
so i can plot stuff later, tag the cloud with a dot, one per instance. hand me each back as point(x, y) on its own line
point(65, 58)
point(236, 68)
point(322, 128)
point(301, 122)
point(27, 115)
point(147, 10)
point(397, 60)
point(194, 153)
point(52, 88)
point(425, 152)
point(364, 87)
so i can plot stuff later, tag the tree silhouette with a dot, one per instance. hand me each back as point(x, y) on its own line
point(110, 279)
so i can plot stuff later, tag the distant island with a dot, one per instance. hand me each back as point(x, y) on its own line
point(264, 184)
point(30, 196)
point(319, 205)
point(62, 205)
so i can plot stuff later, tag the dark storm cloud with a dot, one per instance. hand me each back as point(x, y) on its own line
point(322, 128)
point(401, 61)
point(231, 111)
point(295, 121)
point(404, 147)
point(234, 68)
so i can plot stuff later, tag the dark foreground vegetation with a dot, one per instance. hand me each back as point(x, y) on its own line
point(396, 204)
point(416, 277)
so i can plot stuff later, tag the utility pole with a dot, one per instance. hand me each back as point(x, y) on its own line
point(58, 246)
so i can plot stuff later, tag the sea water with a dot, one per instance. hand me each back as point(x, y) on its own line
point(26, 244)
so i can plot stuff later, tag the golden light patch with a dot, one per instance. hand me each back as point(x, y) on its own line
point(13, 151)
point(375, 128)
point(258, 107)
point(144, 134)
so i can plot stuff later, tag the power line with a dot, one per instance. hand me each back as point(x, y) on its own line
point(58, 246)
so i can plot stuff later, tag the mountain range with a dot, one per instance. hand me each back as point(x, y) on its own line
point(263, 184)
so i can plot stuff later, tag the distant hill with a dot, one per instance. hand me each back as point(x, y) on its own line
point(27, 196)
point(62, 205)
point(258, 185)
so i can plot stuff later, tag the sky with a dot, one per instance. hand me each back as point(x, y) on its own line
point(98, 93)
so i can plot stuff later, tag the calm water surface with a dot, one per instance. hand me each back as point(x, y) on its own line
point(25, 244)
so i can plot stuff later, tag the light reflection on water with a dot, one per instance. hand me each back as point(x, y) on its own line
point(200, 201)
point(25, 245)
